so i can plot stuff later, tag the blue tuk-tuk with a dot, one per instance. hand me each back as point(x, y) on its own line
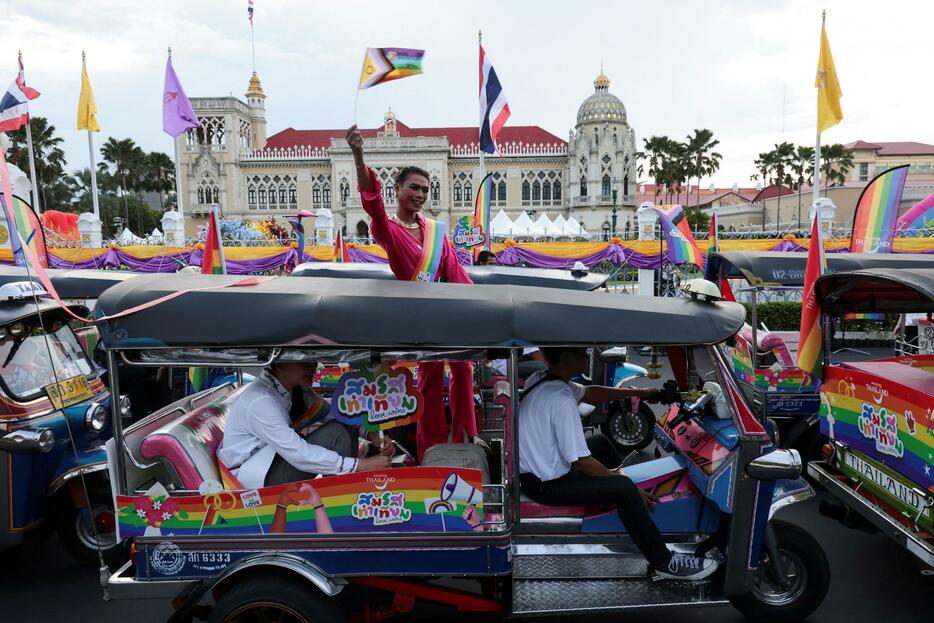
point(375, 542)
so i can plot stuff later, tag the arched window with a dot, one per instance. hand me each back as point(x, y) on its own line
point(501, 191)
point(316, 195)
point(606, 231)
point(526, 191)
point(262, 197)
point(362, 230)
point(556, 193)
point(345, 191)
point(583, 186)
point(626, 184)
point(536, 192)
point(468, 192)
point(251, 197)
point(435, 190)
point(458, 194)
point(605, 186)
point(327, 194)
point(546, 192)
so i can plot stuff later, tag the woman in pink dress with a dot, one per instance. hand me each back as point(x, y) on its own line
point(419, 250)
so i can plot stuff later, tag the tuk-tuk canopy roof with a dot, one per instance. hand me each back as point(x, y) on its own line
point(13, 311)
point(70, 284)
point(379, 313)
point(486, 275)
point(777, 268)
point(882, 290)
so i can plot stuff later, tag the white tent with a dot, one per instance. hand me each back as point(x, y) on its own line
point(574, 229)
point(547, 226)
point(128, 238)
point(156, 237)
point(523, 226)
point(559, 222)
point(501, 225)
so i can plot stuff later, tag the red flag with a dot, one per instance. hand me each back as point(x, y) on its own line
point(811, 339)
point(213, 261)
point(341, 254)
point(726, 291)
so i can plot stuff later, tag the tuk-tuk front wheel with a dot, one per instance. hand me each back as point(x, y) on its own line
point(276, 598)
point(629, 430)
point(83, 531)
point(805, 583)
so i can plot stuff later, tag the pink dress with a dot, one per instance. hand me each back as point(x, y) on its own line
point(404, 252)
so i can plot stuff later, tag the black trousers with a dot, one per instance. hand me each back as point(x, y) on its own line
point(333, 436)
point(577, 489)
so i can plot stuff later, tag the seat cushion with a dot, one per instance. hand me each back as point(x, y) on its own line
point(189, 444)
point(530, 509)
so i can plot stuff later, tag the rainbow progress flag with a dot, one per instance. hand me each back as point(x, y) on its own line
point(213, 261)
point(384, 64)
point(811, 340)
point(713, 240)
point(877, 212)
point(22, 224)
point(481, 211)
point(917, 217)
point(682, 248)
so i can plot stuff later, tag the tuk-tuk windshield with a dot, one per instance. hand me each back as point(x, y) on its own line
point(25, 364)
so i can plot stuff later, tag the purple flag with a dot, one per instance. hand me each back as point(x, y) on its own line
point(177, 114)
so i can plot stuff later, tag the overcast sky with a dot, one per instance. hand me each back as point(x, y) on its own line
point(743, 69)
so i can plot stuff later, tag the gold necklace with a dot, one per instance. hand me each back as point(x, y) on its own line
point(414, 225)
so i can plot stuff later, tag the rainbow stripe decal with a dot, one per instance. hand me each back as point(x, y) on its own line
point(877, 211)
point(917, 217)
point(409, 499)
point(881, 419)
point(433, 240)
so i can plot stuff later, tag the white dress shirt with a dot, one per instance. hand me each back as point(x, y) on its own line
point(258, 428)
point(551, 436)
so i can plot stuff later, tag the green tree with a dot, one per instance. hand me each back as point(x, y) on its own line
point(123, 156)
point(802, 170)
point(703, 161)
point(835, 162)
point(160, 175)
point(49, 159)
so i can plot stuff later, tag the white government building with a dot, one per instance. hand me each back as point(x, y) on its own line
point(230, 162)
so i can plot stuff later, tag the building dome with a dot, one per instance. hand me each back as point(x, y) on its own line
point(602, 106)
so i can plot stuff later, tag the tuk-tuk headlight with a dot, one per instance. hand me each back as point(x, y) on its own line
point(95, 418)
point(16, 329)
point(46, 440)
point(125, 407)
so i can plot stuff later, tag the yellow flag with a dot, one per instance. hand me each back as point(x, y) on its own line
point(829, 112)
point(87, 108)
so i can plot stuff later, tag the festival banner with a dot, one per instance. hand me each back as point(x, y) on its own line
point(877, 212)
point(682, 248)
point(384, 64)
point(409, 499)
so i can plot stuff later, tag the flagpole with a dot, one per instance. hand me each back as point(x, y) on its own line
point(488, 243)
point(816, 189)
point(252, 44)
point(94, 196)
point(32, 156)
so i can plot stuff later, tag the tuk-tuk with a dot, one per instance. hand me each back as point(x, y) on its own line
point(54, 418)
point(628, 425)
point(879, 461)
point(374, 542)
point(768, 373)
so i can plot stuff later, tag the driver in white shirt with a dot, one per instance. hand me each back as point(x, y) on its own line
point(260, 446)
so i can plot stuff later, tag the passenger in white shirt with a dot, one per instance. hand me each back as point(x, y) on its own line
point(260, 447)
point(559, 466)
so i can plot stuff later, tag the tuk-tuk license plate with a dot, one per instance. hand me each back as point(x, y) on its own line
point(68, 392)
point(910, 496)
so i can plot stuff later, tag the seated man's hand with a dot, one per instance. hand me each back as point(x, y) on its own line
point(384, 444)
point(369, 464)
point(648, 499)
point(649, 394)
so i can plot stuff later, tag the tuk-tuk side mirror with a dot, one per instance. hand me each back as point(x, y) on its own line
point(617, 354)
point(26, 440)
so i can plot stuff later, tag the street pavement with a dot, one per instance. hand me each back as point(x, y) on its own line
point(872, 580)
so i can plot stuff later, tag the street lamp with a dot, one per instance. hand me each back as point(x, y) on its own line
point(613, 213)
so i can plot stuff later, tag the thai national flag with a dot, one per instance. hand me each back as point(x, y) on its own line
point(14, 106)
point(494, 110)
point(249, 10)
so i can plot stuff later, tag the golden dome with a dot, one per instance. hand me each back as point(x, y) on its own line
point(601, 83)
point(255, 89)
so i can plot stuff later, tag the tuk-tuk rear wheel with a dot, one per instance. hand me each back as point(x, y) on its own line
point(807, 574)
point(82, 540)
point(276, 598)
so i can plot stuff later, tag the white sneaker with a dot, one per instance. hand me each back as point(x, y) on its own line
point(687, 567)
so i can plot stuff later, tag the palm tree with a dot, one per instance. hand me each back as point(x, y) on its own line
point(802, 170)
point(654, 153)
point(783, 163)
point(49, 157)
point(703, 160)
point(121, 154)
point(160, 174)
point(836, 162)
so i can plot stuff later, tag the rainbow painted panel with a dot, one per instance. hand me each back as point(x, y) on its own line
point(877, 212)
point(411, 499)
point(882, 419)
